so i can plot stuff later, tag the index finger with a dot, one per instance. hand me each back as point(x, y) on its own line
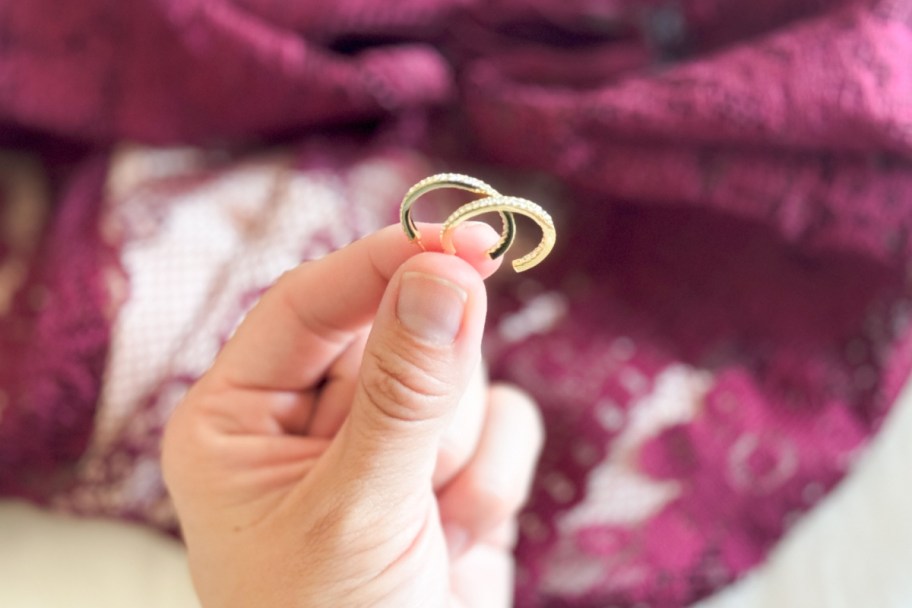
point(313, 312)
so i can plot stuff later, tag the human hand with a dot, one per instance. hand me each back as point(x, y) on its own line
point(344, 449)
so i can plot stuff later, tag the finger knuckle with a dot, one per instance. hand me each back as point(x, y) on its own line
point(523, 412)
point(452, 453)
point(451, 456)
point(494, 502)
point(395, 383)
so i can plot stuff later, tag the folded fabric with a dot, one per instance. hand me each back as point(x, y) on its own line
point(724, 324)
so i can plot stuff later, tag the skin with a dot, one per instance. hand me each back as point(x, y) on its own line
point(343, 451)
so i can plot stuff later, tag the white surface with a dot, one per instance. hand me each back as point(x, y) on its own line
point(51, 561)
point(854, 550)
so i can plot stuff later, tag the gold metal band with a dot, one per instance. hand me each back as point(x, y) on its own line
point(505, 205)
point(493, 201)
point(462, 182)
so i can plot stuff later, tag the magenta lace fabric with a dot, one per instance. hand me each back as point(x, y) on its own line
point(725, 322)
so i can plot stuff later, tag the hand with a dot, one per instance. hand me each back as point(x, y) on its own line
point(344, 449)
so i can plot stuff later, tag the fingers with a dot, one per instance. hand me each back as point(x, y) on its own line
point(314, 312)
point(422, 351)
point(494, 485)
point(338, 390)
point(461, 435)
point(324, 416)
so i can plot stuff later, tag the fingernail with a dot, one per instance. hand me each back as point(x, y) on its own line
point(431, 308)
point(457, 540)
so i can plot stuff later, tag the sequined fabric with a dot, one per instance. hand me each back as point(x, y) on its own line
point(723, 326)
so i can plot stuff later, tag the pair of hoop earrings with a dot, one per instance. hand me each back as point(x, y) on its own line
point(491, 201)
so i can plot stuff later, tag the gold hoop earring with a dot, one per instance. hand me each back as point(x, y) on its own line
point(462, 182)
point(505, 205)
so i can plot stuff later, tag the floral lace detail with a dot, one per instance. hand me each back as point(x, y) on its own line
point(54, 328)
point(200, 246)
point(692, 417)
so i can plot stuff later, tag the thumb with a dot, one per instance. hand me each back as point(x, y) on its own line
point(423, 347)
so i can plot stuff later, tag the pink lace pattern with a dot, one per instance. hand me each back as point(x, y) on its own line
point(723, 326)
